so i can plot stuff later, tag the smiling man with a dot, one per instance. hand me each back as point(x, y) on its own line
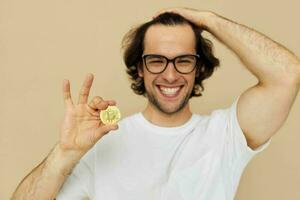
point(169, 83)
point(167, 152)
point(165, 57)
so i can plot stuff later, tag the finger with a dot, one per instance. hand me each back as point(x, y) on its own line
point(103, 130)
point(95, 102)
point(98, 103)
point(183, 11)
point(172, 10)
point(193, 15)
point(111, 102)
point(85, 89)
point(67, 93)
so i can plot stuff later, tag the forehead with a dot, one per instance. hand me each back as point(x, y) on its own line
point(170, 40)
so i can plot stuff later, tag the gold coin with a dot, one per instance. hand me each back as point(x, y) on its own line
point(111, 115)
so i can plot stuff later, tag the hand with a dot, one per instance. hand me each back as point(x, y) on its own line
point(82, 126)
point(196, 16)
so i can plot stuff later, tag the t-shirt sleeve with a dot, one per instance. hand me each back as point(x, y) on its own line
point(237, 135)
point(237, 151)
point(79, 184)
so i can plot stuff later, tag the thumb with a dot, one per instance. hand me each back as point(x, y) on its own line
point(104, 129)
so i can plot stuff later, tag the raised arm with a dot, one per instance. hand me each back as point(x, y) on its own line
point(263, 108)
point(80, 130)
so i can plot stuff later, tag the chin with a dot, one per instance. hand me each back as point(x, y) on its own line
point(170, 109)
point(169, 106)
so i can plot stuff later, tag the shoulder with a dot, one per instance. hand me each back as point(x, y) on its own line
point(129, 120)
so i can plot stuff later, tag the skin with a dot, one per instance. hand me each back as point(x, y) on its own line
point(170, 41)
point(263, 108)
point(261, 111)
point(80, 130)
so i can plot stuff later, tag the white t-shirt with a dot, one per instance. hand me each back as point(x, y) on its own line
point(200, 160)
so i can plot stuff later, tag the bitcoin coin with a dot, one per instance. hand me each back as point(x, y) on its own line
point(111, 115)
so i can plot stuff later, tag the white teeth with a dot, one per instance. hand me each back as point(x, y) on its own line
point(169, 91)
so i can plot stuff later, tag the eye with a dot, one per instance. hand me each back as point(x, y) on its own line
point(184, 61)
point(155, 60)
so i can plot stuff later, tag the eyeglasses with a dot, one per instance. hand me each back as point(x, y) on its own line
point(183, 64)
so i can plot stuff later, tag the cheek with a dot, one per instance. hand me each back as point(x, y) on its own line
point(191, 83)
point(191, 79)
point(148, 79)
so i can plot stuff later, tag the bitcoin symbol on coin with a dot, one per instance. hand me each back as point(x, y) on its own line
point(111, 115)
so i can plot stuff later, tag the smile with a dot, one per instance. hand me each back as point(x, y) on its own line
point(169, 91)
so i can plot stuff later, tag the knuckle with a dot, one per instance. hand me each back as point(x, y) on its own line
point(97, 100)
point(98, 97)
point(84, 92)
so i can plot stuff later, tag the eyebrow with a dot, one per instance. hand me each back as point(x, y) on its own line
point(184, 54)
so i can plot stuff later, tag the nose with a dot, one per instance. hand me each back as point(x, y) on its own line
point(170, 74)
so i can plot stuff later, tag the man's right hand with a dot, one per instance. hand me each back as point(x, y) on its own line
point(82, 126)
point(80, 130)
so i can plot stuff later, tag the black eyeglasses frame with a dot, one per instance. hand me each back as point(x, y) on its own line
point(170, 60)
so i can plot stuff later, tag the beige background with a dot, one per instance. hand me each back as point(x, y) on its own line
point(43, 42)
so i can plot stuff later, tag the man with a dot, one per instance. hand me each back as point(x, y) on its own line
point(166, 152)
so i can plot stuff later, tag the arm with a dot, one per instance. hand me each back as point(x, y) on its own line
point(263, 108)
point(46, 179)
point(80, 130)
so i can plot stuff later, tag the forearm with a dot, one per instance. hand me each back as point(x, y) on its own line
point(45, 181)
point(269, 61)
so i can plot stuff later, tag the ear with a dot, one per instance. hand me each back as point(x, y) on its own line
point(140, 69)
point(199, 70)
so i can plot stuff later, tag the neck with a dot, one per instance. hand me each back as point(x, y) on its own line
point(157, 117)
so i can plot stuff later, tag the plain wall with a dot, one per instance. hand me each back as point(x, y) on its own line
point(44, 42)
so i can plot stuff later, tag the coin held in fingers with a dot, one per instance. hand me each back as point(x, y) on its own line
point(111, 115)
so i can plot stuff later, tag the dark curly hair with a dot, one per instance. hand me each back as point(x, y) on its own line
point(133, 45)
